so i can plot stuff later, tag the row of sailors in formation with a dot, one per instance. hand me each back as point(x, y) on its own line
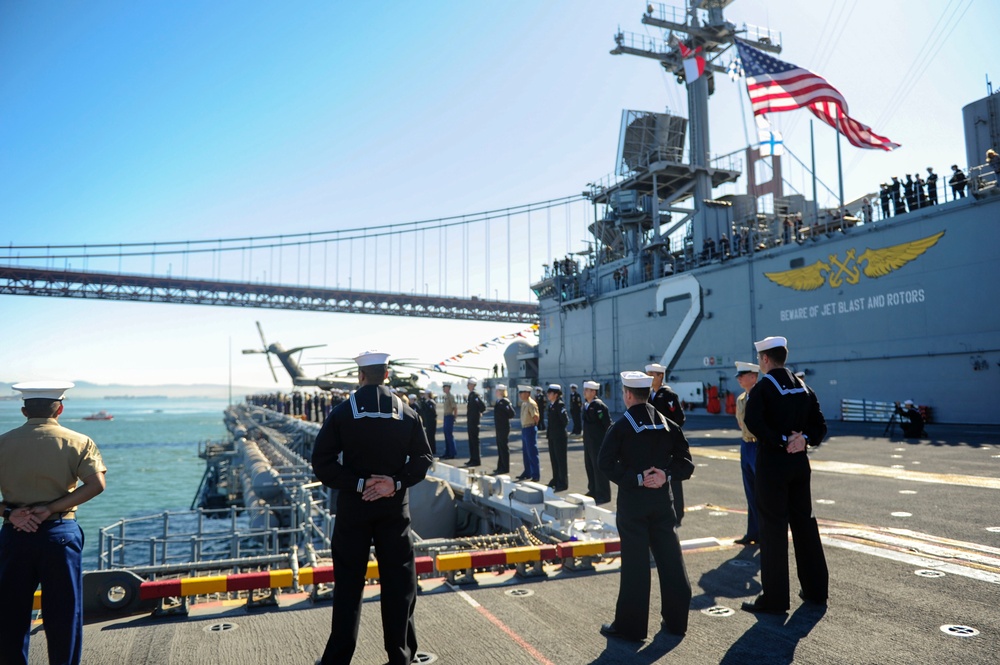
point(308, 406)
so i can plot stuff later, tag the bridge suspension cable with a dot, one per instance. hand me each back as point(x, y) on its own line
point(476, 255)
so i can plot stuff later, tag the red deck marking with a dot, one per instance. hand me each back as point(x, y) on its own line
point(520, 641)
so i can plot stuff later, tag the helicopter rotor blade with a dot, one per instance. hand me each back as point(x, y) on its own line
point(261, 331)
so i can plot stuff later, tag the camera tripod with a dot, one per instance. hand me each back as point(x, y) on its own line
point(890, 427)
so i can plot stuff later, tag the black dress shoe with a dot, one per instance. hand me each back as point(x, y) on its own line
point(745, 540)
point(754, 608)
point(522, 476)
point(551, 483)
point(609, 630)
point(470, 463)
point(810, 599)
point(561, 488)
point(665, 629)
point(535, 480)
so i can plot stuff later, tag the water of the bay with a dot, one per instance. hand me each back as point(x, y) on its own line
point(150, 449)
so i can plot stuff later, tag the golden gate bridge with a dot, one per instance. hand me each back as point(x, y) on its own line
point(385, 269)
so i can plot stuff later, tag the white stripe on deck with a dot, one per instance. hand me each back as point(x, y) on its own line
point(852, 469)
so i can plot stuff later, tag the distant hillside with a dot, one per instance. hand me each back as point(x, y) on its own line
point(87, 390)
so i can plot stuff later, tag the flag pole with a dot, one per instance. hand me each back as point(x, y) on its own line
point(840, 167)
point(812, 146)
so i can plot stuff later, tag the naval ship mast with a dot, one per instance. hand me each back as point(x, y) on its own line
point(709, 35)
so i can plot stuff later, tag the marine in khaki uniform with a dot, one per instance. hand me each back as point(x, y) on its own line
point(746, 375)
point(41, 464)
point(450, 411)
point(529, 435)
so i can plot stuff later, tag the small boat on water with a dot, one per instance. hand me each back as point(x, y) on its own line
point(100, 415)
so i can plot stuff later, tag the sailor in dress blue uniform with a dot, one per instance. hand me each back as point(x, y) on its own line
point(640, 454)
point(784, 415)
point(385, 452)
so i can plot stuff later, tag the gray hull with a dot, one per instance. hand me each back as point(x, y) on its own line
point(899, 309)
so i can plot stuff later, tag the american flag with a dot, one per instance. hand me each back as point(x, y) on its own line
point(776, 86)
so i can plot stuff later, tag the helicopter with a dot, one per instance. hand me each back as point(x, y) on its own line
point(403, 372)
point(292, 366)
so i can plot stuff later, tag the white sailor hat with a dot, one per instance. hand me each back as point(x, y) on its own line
point(446, 385)
point(744, 368)
point(412, 397)
point(523, 389)
point(369, 358)
point(53, 390)
point(500, 386)
point(636, 380)
point(592, 385)
point(472, 380)
point(656, 367)
point(908, 402)
point(428, 391)
point(770, 343)
point(554, 388)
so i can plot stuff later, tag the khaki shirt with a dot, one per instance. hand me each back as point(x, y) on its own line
point(450, 405)
point(529, 413)
point(741, 410)
point(42, 461)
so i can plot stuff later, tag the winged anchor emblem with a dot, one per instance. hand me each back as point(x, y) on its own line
point(877, 263)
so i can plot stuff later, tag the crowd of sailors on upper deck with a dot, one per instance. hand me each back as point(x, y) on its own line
point(896, 198)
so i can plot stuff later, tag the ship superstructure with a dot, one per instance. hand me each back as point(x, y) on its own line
point(875, 309)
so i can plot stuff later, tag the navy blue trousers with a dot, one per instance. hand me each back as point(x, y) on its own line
point(529, 452)
point(748, 464)
point(449, 437)
point(50, 557)
point(384, 523)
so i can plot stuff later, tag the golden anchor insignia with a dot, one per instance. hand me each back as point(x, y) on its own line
point(877, 263)
point(853, 272)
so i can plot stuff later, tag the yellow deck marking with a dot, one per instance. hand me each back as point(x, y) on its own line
point(852, 469)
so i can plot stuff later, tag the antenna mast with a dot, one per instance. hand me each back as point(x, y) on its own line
point(706, 34)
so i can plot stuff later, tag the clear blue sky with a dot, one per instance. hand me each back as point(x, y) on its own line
point(155, 121)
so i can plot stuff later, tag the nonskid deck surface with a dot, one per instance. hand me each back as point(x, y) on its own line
point(882, 533)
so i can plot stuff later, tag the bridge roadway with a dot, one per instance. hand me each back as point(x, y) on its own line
point(142, 288)
point(888, 509)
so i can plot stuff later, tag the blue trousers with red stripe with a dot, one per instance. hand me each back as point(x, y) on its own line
point(50, 557)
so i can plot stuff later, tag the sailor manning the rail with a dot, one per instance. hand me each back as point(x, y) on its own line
point(640, 454)
point(784, 414)
point(668, 403)
point(385, 452)
point(41, 463)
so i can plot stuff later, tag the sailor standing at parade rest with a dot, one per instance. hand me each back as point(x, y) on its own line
point(640, 454)
point(558, 441)
point(503, 411)
point(746, 375)
point(575, 408)
point(784, 415)
point(385, 452)
point(596, 422)
point(41, 543)
point(429, 416)
point(474, 409)
point(666, 402)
